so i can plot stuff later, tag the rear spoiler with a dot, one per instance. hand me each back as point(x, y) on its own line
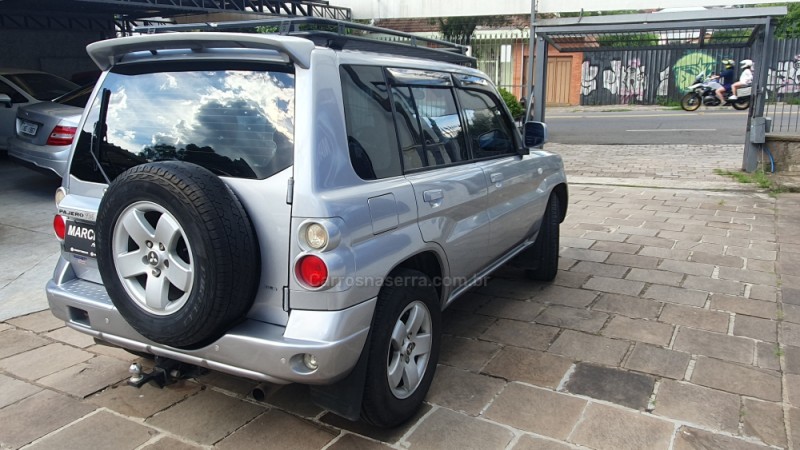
point(109, 52)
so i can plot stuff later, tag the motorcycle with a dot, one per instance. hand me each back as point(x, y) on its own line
point(703, 92)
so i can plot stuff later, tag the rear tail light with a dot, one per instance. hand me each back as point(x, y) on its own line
point(62, 135)
point(312, 271)
point(59, 226)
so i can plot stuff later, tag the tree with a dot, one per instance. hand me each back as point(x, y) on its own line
point(460, 29)
point(789, 25)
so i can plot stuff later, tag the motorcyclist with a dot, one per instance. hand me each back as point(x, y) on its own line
point(745, 79)
point(725, 79)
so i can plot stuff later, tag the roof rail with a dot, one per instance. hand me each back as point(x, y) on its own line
point(336, 34)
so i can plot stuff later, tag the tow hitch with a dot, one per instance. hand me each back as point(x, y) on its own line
point(166, 371)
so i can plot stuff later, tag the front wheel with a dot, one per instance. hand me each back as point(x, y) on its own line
point(691, 101)
point(741, 104)
point(403, 349)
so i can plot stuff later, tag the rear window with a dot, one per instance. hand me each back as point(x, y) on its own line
point(233, 120)
point(42, 86)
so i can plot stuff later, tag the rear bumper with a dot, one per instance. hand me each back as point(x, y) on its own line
point(42, 157)
point(251, 349)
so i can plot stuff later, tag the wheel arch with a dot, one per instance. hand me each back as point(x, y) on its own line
point(562, 192)
point(428, 262)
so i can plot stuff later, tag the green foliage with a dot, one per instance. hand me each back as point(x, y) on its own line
point(513, 103)
point(460, 29)
point(628, 40)
point(729, 36)
point(789, 25)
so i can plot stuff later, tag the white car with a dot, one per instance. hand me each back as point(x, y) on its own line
point(20, 87)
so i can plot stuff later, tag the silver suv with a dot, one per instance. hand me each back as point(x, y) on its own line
point(283, 208)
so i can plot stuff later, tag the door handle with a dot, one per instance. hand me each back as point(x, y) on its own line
point(496, 177)
point(433, 195)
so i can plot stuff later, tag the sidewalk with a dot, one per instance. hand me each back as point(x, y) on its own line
point(674, 323)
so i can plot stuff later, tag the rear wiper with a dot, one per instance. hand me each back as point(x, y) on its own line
point(99, 134)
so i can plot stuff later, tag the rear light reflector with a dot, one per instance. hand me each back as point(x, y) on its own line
point(59, 226)
point(311, 270)
point(62, 135)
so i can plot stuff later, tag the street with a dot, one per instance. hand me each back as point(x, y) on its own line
point(624, 125)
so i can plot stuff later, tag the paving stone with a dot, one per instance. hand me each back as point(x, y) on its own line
point(467, 354)
point(448, 430)
point(738, 379)
point(748, 276)
point(459, 323)
point(647, 331)
point(38, 322)
point(746, 306)
point(634, 307)
point(616, 247)
point(4, 326)
point(574, 242)
point(388, 435)
point(241, 387)
point(584, 254)
point(463, 391)
point(695, 318)
point(767, 356)
point(761, 292)
point(536, 410)
point(528, 442)
point(655, 276)
point(352, 442)
point(624, 259)
point(651, 241)
point(605, 237)
point(293, 398)
point(672, 294)
point(790, 334)
point(13, 342)
point(764, 420)
point(114, 352)
point(792, 358)
point(687, 267)
point(634, 228)
point(600, 269)
point(611, 384)
point(572, 318)
point(717, 260)
point(509, 288)
point(698, 405)
point(520, 334)
point(793, 388)
point(69, 336)
point(712, 285)
point(43, 361)
point(752, 253)
point(168, 443)
point(13, 390)
point(511, 309)
point(761, 266)
point(586, 347)
point(689, 438)
point(565, 296)
point(145, 401)
point(528, 366)
point(658, 361)
point(36, 416)
point(206, 417)
point(614, 285)
point(569, 279)
point(280, 430)
point(715, 345)
point(756, 328)
point(608, 428)
point(88, 377)
point(470, 302)
point(99, 431)
point(794, 424)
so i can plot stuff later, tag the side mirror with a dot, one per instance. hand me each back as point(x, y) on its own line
point(535, 134)
point(5, 100)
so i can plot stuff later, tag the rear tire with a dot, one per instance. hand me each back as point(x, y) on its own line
point(691, 101)
point(546, 247)
point(741, 104)
point(403, 349)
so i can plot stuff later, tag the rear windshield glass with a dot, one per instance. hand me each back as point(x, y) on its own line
point(234, 121)
point(42, 86)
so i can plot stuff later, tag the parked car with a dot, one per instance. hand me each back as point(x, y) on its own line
point(281, 209)
point(19, 87)
point(45, 131)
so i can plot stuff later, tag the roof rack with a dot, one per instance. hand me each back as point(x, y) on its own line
point(338, 35)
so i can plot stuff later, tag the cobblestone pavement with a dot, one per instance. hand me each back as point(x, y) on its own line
point(674, 323)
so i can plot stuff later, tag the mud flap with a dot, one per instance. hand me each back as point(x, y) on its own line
point(343, 398)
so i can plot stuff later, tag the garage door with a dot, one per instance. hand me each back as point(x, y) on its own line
point(558, 75)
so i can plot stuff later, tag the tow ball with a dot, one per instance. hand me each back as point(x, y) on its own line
point(166, 371)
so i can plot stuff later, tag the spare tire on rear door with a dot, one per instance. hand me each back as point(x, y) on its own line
point(177, 253)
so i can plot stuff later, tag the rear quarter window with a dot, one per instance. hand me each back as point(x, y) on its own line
point(234, 121)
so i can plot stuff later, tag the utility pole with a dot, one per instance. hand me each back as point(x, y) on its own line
point(531, 43)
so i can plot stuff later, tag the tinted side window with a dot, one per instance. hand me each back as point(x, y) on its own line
point(489, 131)
point(16, 97)
point(368, 118)
point(433, 133)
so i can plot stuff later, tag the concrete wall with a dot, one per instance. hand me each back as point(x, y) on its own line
point(61, 52)
point(785, 149)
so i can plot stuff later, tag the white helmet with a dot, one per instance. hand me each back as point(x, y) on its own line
point(745, 63)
